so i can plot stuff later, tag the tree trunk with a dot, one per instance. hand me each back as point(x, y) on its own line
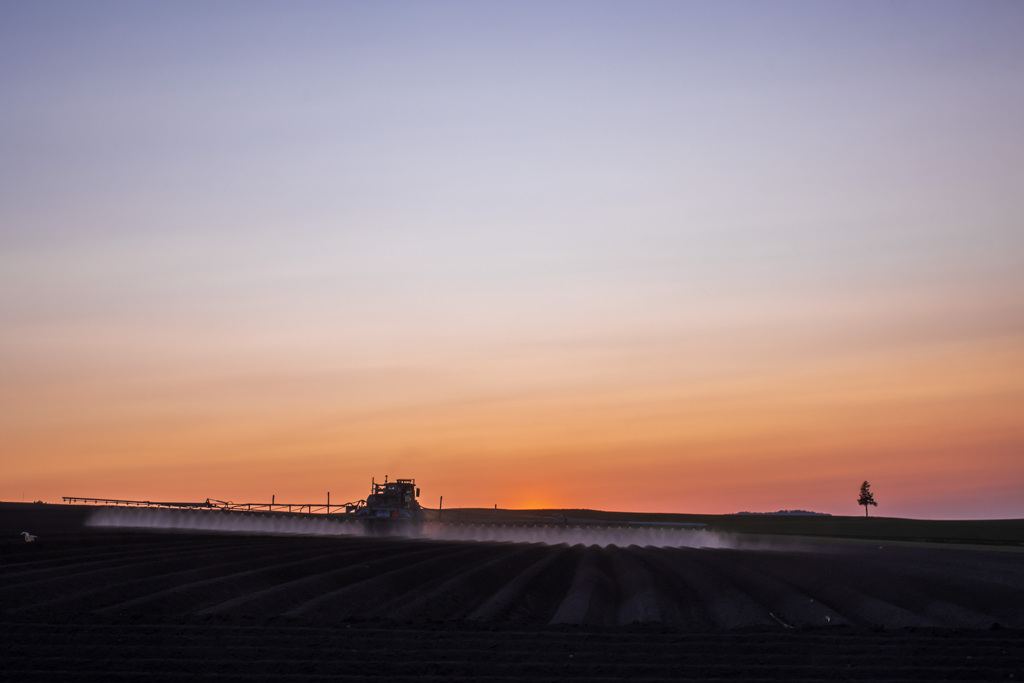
point(865, 510)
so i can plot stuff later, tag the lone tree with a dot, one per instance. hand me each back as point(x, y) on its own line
point(866, 497)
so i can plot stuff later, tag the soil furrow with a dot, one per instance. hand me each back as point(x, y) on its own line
point(727, 605)
point(465, 588)
point(593, 595)
point(378, 583)
point(106, 590)
point(225, 591)
point(512, 594)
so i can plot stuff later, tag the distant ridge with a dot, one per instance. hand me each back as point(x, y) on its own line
point(788, 512)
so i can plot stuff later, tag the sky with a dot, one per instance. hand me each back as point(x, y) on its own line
point(700, 257)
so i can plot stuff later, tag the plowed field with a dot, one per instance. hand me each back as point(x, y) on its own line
point(84, 603)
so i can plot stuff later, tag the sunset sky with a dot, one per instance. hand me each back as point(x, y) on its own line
point(652, 256)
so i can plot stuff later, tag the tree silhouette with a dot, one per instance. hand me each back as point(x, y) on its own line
point(866, 497)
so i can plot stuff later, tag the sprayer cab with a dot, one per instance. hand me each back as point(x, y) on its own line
point(392, 507)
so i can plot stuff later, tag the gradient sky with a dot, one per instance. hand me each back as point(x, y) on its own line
point(652, 256)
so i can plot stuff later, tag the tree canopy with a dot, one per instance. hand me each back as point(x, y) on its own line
point(866, 497)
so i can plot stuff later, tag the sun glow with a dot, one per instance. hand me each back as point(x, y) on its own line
point(529, 501)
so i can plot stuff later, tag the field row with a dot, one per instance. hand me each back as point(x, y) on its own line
point(327, 580)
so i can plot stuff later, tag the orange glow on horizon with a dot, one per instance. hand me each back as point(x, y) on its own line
point(746, 426)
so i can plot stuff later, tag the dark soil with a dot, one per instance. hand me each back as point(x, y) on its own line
point(82, 604)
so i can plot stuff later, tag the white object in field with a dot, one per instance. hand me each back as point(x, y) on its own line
point(28, 537)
